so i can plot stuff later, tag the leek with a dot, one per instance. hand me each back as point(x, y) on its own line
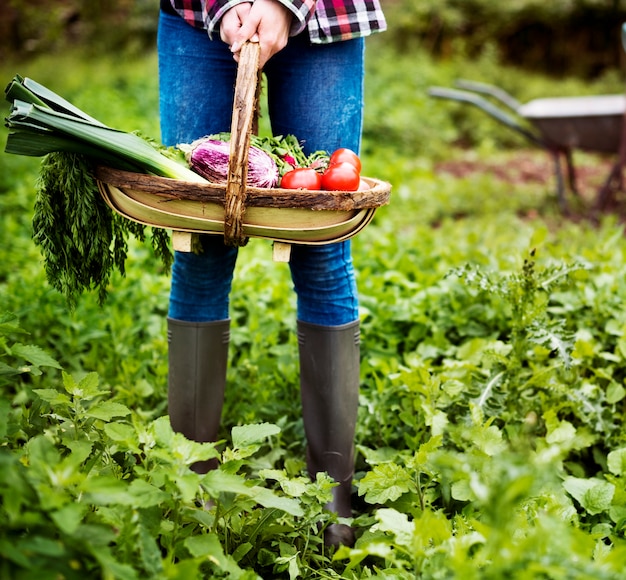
point(42, 122)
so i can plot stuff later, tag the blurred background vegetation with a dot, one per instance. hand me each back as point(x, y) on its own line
point(559, 36)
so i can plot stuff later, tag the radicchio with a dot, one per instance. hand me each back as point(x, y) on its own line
point(209, 158)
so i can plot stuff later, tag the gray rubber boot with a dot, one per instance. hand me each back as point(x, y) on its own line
point(329, 385)
point(198, 357)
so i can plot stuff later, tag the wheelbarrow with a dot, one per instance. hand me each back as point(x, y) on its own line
point(559, 125)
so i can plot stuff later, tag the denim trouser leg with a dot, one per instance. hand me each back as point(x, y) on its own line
point(314, 92)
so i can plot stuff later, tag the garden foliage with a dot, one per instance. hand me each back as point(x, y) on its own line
point(490, 439)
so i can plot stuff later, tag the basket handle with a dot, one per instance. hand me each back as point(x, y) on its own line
point(245, 108)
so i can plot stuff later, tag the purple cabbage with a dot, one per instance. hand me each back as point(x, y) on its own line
point(209, 158)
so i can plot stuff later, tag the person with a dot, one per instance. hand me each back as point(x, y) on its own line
point(312, 57)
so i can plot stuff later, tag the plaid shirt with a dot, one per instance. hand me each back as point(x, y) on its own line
point(326, 20)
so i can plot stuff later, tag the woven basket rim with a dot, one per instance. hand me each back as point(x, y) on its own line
point(373, 192)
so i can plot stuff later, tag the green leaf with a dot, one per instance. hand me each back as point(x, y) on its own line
point(462, 490)
point(250, 435)
point(205, 545)
point(145, 494)
point(161, 431)
point(379, 455)
point(107, 410)
point(9, 324)
point(188, 485)
point(80, 450)
point(121, 432)
point(5, 409)
point(386, 482)
point(11, 553)
point(396, 523)
point(87, 388)
point(183, 569)
point(594, 495)
point(421, 459)
point(8, 371)
point(269, 499)
point(208, 546)
point(69, 517)
point(436, 419)
point(107, 490)
point(488, 439)
point(560, 432)
point(191, 451)
point(44, 546)
point(52, 396)
point(616, 461)
point(112, 567)
point(242, 550)
point(295, 487)
point(218, 481)
point(41, 452)
point(357, 555)
point(554, 339)
point(36, 356)
point(150, 552)
point(615, 393)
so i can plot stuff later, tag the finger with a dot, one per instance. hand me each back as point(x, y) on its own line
point(248, 31)
point(235, 47)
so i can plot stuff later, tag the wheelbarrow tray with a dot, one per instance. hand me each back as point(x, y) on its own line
point(588, 123)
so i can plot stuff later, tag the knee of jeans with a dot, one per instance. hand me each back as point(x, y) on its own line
point(322, 266)
point(325, 284)
point(201, 283)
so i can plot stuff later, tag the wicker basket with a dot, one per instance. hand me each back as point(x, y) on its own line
point(235, 210)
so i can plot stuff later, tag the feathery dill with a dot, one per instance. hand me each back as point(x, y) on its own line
point(81, 239)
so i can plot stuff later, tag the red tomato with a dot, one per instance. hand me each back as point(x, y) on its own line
point(301, 178)
point(344, 155)
point(341, 177)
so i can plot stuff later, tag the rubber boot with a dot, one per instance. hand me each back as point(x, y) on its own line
point(198, 356)
point(329, 385)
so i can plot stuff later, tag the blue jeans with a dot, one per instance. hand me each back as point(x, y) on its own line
point(314, 92)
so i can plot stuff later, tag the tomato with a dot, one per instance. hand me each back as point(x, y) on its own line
point(301, 178)
point(344, 155)
point(341, 177)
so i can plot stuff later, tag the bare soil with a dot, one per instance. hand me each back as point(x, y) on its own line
point(529, 166)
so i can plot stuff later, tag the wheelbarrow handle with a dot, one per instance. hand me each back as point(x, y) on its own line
point(487, 107)
point(491, 90)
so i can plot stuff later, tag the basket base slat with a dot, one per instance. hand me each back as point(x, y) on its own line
point(182, 241)
point(281, 252)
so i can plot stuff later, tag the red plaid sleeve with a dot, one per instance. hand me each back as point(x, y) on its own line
point(325, 20)
point(302, 11)
point(343, 19)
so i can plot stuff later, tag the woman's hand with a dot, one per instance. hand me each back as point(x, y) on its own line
point(266, 21)
point(232, 21)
